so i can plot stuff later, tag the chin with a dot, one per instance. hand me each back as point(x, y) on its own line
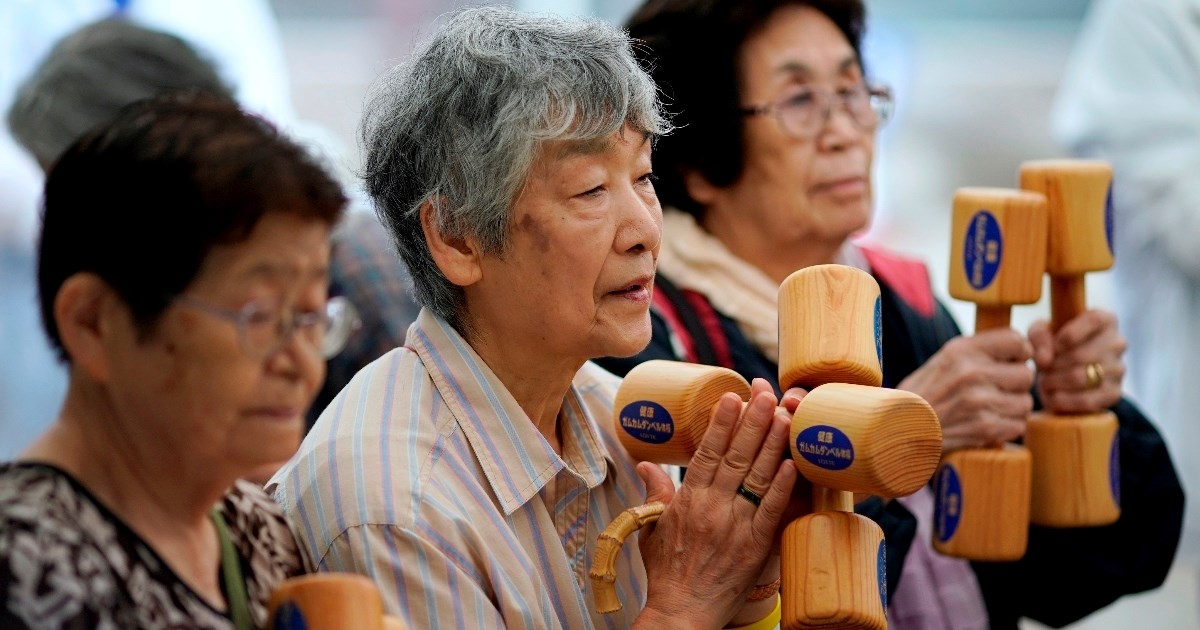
point(263, 473)
point(628, 344)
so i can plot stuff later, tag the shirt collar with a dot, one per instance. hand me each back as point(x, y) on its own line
point(514, 456)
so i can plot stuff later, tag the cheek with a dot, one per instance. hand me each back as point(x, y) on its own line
point(580, 261)
point(314, 374)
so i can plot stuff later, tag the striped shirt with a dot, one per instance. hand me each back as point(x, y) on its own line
point(425, 475)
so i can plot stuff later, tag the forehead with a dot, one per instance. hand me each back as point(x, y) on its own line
point(565, 150)
point(555, 156)
point(797, 41)
point(280, 247)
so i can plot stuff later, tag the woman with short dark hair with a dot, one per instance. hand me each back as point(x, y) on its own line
point(182, 272)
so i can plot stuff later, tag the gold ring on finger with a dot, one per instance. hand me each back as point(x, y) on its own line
point(1095, 375)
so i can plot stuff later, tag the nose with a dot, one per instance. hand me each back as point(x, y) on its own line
point(641, 227)
point(839, 129)
point(299, 358)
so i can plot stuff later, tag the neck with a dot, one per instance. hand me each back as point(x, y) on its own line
point(777, 255)
point(151, 490)
point(538, 385)
point(162, 496)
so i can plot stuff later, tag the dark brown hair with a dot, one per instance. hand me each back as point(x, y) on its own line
point(691, 48)
point(142, 200)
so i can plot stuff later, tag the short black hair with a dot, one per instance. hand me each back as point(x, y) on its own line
point(141, 201)
point(691, 49)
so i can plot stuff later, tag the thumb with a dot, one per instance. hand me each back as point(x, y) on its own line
point(659, 486)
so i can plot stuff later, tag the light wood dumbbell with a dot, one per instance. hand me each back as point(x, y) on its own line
point(1076, 473)
point(848, 436)
point(328, 601)
point(981, 495)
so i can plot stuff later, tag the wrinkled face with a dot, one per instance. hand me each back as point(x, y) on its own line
point(800, 188)
point(191, 387)
point(575, 281)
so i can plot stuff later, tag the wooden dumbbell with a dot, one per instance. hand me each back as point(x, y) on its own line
point(981, 495)
point(1076, 474)
point(853, 436)
point(328, 601)
point(848, 435)
point(663, 407)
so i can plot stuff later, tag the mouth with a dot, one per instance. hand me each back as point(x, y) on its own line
point(638, 289)
point(842, 187)
point(278, 414)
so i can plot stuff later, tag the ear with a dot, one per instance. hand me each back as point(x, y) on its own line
point(699, 188)
point(83, 312)
point(457, 258)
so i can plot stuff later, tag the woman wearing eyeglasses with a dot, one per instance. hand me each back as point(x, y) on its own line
point(768, 172)
point(183, 268)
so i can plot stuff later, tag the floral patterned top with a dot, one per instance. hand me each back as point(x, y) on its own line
point(66, 561)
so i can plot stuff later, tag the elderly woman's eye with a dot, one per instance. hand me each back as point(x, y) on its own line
point(800, 99)
point(258, 314)
point(593, 191)
point(648, 178)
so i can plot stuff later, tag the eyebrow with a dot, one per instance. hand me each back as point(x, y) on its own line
point(804, 70)
point(272, 271)
point(591, 146)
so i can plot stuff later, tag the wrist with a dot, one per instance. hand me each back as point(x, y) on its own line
point(652, 619)
point(767, 621)
point(759, 601)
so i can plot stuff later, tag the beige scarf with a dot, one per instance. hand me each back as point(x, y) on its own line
point(694, 259)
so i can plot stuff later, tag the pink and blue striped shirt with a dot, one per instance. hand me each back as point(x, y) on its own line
point(425, 475)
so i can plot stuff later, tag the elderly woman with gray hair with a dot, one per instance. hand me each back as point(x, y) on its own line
point(470, 471)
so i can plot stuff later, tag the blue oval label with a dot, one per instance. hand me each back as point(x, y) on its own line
point(1108, 222)
point(881, 574)
point(947, 507)
point(879, 330)
point(288, 617)
point(647, 421)
point(1114, 471)
point(826, 447)
point(982, 249)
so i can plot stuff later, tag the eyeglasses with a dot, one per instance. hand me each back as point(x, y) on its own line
point(263, 328)
point(803, 114)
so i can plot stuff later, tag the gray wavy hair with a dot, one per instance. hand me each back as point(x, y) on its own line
point(460, 123)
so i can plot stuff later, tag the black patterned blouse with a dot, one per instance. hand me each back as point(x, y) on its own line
point(66, 561)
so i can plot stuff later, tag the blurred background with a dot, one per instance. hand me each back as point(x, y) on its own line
point(974, 81)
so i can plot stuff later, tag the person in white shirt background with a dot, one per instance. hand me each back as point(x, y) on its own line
point(1131, 95)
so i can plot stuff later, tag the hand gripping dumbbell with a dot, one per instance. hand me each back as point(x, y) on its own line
point(853, 437)
point(1076, 473)
point(981, 495)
